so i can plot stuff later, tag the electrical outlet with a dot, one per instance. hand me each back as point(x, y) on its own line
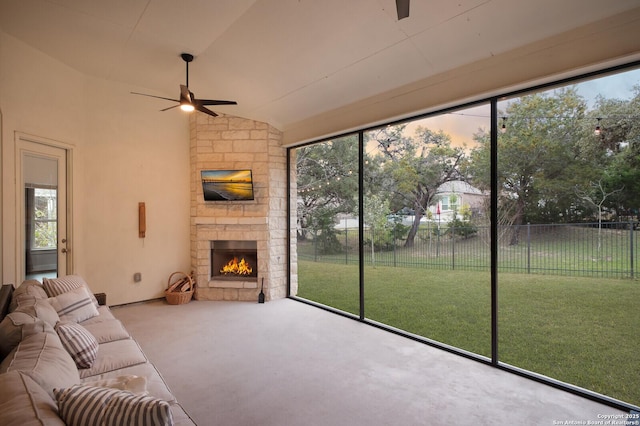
point(137, 277)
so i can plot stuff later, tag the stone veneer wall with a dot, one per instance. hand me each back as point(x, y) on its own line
point(227, 142)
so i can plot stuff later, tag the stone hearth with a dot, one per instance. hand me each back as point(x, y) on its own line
point(228, 143)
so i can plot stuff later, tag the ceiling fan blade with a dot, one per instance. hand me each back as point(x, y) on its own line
point(171, 107)
point(153, 96)
point(402, 7)
point(213, 102)
point(205, 110)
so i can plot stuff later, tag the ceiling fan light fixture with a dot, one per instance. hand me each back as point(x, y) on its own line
point(186, 101)
point(187, 107)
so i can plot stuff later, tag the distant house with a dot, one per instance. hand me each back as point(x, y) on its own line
point(452, 196)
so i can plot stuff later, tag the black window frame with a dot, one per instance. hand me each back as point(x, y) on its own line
point(494, 361)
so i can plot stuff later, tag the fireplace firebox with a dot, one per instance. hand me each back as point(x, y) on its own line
point(234, 260)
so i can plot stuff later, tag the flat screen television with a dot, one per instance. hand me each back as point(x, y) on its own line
point(227, 185)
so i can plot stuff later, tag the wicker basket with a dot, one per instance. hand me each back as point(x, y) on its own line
point(179, 297)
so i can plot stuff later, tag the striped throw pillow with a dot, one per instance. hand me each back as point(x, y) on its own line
point(56, 286)
point(82, 405)
point(74, 305)
point(80, 344)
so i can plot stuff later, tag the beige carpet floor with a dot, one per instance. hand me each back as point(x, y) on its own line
point(288, 363)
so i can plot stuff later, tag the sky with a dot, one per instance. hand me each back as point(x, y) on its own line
point(619, 86)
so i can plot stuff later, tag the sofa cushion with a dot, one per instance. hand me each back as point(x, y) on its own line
point(24, 403)
point(155, 384)
point(44, 359)
point(114, 356)
point(15, 327)
point(74, 305)
point(79, 342)
point(137, 385)
point(104, 314)
point(83, 405)
point(39, 308)
point(28, 290)
point(57, 286)
point(106, 331)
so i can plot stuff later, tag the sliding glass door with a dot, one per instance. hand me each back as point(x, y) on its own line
point(426, 238)
point(569, 179)
point(327, 236)
point(505, 230)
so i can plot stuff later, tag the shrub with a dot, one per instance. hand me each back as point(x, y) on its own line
point(461, 228)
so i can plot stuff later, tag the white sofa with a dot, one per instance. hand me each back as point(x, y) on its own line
point(65, 357)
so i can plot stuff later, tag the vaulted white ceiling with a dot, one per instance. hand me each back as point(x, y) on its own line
point(284, 61)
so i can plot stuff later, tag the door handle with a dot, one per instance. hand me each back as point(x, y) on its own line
point(64, 250)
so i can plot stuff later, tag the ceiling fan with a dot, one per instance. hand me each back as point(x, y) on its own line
point(187, 101)
point(402, 7)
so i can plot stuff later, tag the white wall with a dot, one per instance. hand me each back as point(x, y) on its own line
point(124, 152)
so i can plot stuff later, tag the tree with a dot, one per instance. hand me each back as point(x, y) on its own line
point(327, 185)
point(542, 156)
point(619, 136)
point(624, 172)
point(462, 227)
point(596, 197)
point(376, 212)
point(414, 167)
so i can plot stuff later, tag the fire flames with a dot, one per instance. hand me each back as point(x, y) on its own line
point(237, 267)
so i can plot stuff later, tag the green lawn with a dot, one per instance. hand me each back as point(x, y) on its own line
point(579, 330)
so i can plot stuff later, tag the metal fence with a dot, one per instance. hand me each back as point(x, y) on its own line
point(587, 249)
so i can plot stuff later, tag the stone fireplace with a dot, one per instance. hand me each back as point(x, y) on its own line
point(228, 143)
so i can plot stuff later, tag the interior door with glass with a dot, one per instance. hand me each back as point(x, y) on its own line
point(43, 202)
